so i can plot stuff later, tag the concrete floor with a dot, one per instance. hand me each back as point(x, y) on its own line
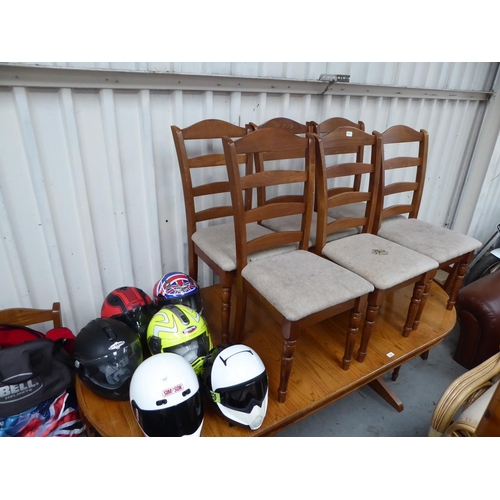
point(365, 414)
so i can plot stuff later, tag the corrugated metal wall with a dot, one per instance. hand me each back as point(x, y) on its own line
point(90, 193)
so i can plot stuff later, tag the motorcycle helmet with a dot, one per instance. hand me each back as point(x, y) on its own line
point(165, 397)
point(177, 288)
point(181, 330)
point(235, 380)
point(130, 305)
point(106, 353)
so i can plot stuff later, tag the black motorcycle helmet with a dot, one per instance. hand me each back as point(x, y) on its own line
point(106, 353)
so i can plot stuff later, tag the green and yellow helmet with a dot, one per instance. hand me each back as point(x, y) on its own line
point(180, 330)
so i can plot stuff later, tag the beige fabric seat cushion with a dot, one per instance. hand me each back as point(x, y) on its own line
point(301, 283)
point(293, 223)
point(381, 262)
point(218, 243)
point(436, 242)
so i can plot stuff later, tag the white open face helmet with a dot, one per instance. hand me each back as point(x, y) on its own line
point(165, 397)
point(235, 380)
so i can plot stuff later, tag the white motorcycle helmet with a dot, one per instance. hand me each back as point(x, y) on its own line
point(165, 397)
point(235, 380)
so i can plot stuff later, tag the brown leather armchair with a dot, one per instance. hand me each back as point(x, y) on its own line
point(478, 312)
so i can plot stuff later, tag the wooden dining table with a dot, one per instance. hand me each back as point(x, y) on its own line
point(317, 378)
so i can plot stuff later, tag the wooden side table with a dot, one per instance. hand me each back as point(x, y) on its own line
point(109, 418)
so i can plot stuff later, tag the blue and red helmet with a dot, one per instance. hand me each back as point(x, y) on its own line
point(177, 288)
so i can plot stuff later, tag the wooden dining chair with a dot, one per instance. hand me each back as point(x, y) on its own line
point(25, 316)
point(399, 222)
point(298, 288)
point(386, 265)
point(212, 243)
point(290, 222)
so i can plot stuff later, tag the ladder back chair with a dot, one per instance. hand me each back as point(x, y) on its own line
point(325, 288)
point(399, 222)
point(386, 265)
point(289, 222)
point(214, 244)
point(451, 249)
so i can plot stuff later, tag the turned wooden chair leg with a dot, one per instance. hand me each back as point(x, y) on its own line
point(290, 333)
point(416, 322)
point(416, 301)
point(374, 300)
point(226, 284)
point(459, 278)
point(352, 331)
point(240, 310)
point(192, 261)
point(395, 373)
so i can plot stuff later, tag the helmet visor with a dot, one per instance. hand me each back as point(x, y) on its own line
point(112, 370)
point(245, 396)
point(181, 420)
point(138, 319)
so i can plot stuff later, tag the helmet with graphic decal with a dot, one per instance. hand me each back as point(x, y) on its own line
point(165, 397)
point(234, 380)
point(106, 353)
point(177, 288)
point(131, 306)
point(180, 330)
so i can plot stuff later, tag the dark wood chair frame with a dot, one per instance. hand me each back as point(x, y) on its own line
point(203, 130)
point(457, 267)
